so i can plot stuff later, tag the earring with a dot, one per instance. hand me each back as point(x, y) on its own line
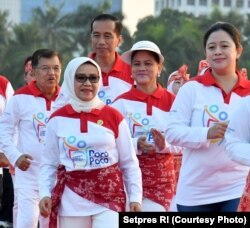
point(159, 74)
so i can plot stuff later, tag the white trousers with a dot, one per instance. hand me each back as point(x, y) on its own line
point(28, 209)
point(106, 219)
point(173, 206)
point(149, 205)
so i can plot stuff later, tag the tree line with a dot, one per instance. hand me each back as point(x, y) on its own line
point(179, 36)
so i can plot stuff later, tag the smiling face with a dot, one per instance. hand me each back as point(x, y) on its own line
point(221, 52)
point(86, 91)
point(145, 68)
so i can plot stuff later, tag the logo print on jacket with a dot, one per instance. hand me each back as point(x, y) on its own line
point(140, 126)
point(39, 123)
point(212, 115)
point(104, 98)
point(83, 155)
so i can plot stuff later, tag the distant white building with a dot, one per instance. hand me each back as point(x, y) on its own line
point(134, 10)
point(203, 7)
point(20, 11)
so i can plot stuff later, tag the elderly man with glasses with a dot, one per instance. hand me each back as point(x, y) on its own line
point(27, 113)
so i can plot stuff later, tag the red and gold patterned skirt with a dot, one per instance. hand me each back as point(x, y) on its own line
point(244, 205)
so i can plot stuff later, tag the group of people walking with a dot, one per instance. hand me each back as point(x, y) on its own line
point(113, 139)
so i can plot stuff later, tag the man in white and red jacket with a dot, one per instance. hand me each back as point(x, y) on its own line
point(6, 92)
point(27, 113)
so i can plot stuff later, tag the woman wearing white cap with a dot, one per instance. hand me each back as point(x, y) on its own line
point(145, 107)
point(89, 143)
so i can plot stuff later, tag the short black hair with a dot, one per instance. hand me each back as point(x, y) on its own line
point(43, 53)
point(108, 17)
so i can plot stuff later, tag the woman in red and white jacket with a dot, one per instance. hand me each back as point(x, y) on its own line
point(198, 120)
point(145, 107)
point(88, 146)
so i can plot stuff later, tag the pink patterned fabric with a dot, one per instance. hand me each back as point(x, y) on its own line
point(177, 166)
point(243, 73)
point(203, 64)
point(180, 73)
point(158, 177)
point(244, 205)
point(101, 186)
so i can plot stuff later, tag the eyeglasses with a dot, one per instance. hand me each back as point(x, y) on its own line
point(82, 78)
point(46, 69)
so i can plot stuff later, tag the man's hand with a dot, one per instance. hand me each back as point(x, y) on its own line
point(4, 162)
point(24, 161)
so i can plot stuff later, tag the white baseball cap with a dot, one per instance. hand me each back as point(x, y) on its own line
point(144, 45)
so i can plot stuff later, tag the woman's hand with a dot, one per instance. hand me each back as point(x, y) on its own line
point(135, 207)
point(45, 206)
point(159, 139)
point(144, 146)
point(217, 131)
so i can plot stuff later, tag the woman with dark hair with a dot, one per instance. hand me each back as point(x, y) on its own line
point(145, 107)
point(209, 180)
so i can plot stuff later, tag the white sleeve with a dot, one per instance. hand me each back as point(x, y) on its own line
point(8, 130)
point(9, 92)
point(49, 162)
point(61, 100)
point(171, 149)
point(129, 164)
point(180, 131)
point(237, 138)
